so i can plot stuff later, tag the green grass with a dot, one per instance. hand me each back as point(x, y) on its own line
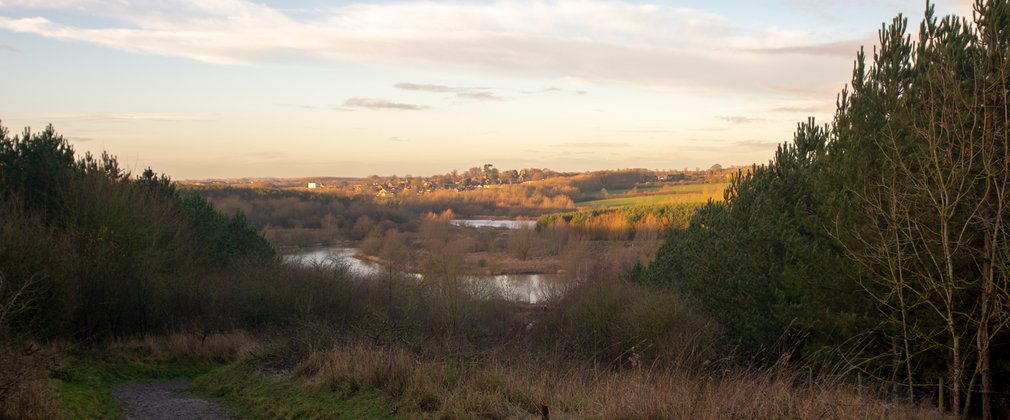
point(85, 391)
point(264, 396)
point(621, 191)
point(85, 388)
point(675, 194)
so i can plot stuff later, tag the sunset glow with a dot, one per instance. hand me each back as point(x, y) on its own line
point(234, 88)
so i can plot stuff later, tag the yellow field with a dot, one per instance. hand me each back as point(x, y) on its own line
point(673, 194)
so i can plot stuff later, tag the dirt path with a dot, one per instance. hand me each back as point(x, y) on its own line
point(162, 400)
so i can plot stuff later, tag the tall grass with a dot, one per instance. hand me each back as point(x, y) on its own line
point(24, 380)
point(606, 350)
point(514, 384)
point(191, 347)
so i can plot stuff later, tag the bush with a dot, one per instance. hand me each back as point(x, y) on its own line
point(103, 253)
point(24, 386)
point(624, 323)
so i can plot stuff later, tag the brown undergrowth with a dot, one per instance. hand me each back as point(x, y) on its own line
point(24, 388)
point(217, 347)
point(609, 349)
point(63, 380)
point(512, 383)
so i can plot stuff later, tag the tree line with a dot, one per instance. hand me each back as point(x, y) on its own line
point(88, 250)
point(879, 240)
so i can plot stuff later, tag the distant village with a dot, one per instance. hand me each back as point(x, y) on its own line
point(475, 178)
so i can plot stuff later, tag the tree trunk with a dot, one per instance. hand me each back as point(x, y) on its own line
point(983, 333)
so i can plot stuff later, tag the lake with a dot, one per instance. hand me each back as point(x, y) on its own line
point(527, 288)
point(500, 224)
point(331, 257)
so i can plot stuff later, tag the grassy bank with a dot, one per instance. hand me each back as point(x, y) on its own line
point(74, 381)
point(353, 380)
point(86, 389)
point(259, 394)
point(313, 373)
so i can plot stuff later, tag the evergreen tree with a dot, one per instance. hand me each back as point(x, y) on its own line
point(900, 205)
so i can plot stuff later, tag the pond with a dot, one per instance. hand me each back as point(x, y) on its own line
point(526, 288)
point(500, 224)
point(331, 257)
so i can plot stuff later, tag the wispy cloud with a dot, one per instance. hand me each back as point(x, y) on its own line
point(128, 117)
point(396, 140)
point(570, 154)
point(645, 131)
point(727, 145)
point(8, 48)
point(738, 119)
point(302, 106)
point(369, 103)
point(806, 108)
point(596, 41)
point(757, 144)
point(550, 89)
point(478, 95)
point(426, 87)
point(472, 93)
point(262, 157)
point(592, 144)
point(844, 49)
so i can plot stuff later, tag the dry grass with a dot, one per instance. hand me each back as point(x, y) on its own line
point(55, 380)
point(517, 386)
point(671, 394)
point(24, 388)
point(196, 348)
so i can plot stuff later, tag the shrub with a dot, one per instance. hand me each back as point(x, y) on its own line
point(104, 253)
point(623, 323)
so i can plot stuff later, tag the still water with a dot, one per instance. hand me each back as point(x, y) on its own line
point(501, 224)
point(528, 288)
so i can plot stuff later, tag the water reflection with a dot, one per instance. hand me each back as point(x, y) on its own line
point(336, 257)
point(501, 224)
point(529, 288)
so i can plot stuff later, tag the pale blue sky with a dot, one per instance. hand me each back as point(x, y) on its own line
point(231, 88)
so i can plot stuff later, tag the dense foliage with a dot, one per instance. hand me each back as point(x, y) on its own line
point(350, 217)
point(882, 235)
point(87, 250)
point(763, 261)
point(642, 222)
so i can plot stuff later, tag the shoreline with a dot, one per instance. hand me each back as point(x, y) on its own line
point(505, 272)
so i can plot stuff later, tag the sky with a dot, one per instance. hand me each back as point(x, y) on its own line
point(234, 88)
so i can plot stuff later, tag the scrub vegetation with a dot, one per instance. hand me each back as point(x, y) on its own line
point(861, 273)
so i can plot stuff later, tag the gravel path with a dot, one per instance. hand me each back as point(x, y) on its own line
point(162, 400)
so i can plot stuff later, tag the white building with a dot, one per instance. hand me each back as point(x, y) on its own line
point(313, 185)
